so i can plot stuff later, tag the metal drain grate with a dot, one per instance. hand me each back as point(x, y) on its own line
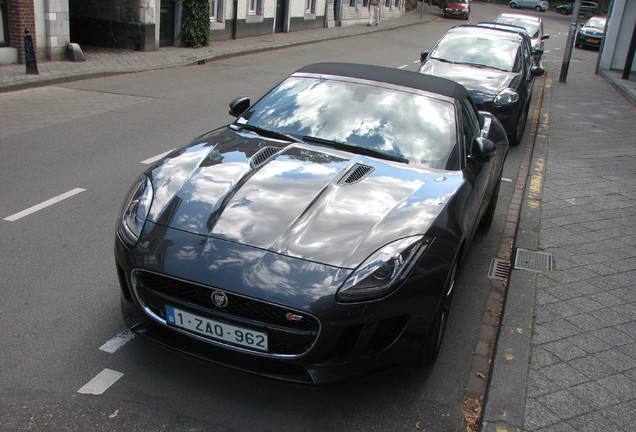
point(534, 261)
point(499, 269)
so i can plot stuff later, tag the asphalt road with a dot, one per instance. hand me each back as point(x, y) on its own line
point(72, 151)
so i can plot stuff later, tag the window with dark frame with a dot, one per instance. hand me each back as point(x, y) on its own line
point(4, 33)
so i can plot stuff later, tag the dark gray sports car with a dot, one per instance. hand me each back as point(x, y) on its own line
point(317, 237)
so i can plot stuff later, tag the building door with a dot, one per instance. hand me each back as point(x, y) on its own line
point(166, 23)
point(281, 9)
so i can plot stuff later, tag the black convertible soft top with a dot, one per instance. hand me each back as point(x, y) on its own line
point(429, 83)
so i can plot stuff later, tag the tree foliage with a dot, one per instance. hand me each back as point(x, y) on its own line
point(195, 23)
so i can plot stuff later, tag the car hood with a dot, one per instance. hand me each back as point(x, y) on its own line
point(458, 6)
point(299, 200)
point(482, 83)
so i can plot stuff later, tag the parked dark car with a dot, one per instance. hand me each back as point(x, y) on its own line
point(455, 8)
point(591, 34)
point(534, 27)
point(586, 9)
point(318, 236)
point(496, 67)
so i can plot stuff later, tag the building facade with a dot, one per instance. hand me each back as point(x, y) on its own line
point(146, 25)
point(619, 43)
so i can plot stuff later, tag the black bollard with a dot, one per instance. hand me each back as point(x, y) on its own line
point(29, 54)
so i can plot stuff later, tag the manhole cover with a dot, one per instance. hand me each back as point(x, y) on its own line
point(534, 261)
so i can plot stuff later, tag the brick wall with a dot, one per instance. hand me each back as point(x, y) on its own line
point(21, 15)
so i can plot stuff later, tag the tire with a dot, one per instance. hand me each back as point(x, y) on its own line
point(515, 138)
point(513, 5)
point(489, 215)
point(564, 12)
point(433, 340)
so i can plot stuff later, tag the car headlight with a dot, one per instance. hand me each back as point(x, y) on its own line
point(506, 97)
point(135, 211)
point(383, 270)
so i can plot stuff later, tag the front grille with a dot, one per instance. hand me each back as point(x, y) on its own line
point(287, 337)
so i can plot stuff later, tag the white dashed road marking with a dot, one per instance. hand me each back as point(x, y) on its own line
point(117, 342)
point(43, 205)
point(155, 158)
point(101, 382)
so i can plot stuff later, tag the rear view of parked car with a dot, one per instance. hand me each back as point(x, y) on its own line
point(538, 5)
point(591, 34)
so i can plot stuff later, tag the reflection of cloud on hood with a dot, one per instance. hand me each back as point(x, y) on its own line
point(283, 277)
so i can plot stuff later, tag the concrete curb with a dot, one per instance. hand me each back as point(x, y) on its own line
point(504, 407)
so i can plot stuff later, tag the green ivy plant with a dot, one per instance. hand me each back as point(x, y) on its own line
point(195, 23)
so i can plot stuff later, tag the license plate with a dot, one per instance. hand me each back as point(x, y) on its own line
point(594, 41)
point(216, 329)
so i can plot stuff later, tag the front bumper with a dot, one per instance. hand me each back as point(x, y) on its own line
point(334, 341)
point(588, 41)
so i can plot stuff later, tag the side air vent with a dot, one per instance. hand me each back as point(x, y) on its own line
point(263, 155)
point(357, 173)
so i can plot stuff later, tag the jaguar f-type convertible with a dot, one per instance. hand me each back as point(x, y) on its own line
point(317, 237)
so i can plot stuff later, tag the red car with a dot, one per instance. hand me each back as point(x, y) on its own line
point(455, 8)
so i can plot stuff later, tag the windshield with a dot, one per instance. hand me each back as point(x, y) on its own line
point(413, 126)
point(598, 23)
point(531, 27)
point(480, 50)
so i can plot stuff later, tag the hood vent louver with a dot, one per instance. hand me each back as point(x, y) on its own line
point(263, 155)
point(356, 174)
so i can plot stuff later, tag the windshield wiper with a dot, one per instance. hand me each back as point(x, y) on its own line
point(443, 60)
point(380, 154)
point(482, 66)
point(268, 132)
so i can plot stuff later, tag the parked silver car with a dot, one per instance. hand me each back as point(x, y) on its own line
point(533, 25)
point(538, 5)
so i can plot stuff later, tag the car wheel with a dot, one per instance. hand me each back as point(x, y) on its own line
point(433, 341)
point(513, 5)
point(515, 138)
point(489, 215)
point(538, 9)
point(564, 12)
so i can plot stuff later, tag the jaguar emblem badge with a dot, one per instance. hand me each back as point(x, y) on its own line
point(219, 298)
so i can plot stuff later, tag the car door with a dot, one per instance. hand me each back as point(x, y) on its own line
point(477, 170)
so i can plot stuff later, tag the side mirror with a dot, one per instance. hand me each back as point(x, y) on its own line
point(239, 105)
point(537, 71)
point(483, 149)
point(544, 37)
point(423, 56)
